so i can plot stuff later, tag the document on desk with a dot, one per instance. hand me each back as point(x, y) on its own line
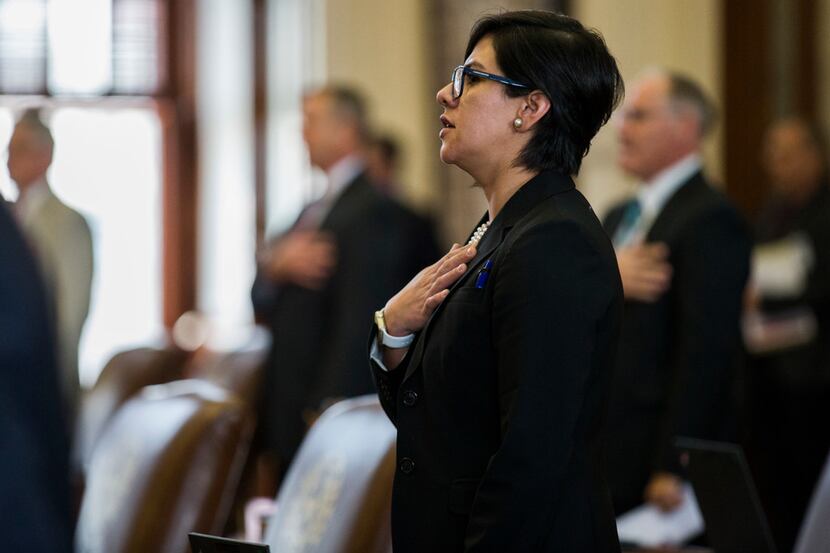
point(648, 526)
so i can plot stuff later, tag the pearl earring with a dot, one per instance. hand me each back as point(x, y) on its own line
point(517, 122)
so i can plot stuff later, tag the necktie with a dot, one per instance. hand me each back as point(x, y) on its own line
point(628, 227)
point(311, 216)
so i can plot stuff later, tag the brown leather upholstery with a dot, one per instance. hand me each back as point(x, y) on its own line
point(337, 495)
point(167, 464)
point(239, 371)
point(125, 374)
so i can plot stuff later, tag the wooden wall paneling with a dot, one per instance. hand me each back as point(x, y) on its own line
point(806, 96)
point(747, 102)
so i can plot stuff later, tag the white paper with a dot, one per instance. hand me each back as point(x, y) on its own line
point(780, 269)
point(648, 526)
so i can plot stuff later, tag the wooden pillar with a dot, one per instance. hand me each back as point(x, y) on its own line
point(260, 36)
point(180, 156)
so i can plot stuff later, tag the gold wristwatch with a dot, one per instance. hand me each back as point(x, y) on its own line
point(387, 340)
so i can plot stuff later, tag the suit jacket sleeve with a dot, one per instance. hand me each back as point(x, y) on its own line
point(74, 287)
point(710, 275)
point(551, 292)
point(388, 382)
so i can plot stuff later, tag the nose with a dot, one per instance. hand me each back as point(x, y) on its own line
point(444, 96)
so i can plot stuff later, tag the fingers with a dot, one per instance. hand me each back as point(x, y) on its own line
point(454, 258)
point(646, 285)
point(665, 491)
point(447, 279)
point(433, 301)
point(645, 271)
point(656, 251)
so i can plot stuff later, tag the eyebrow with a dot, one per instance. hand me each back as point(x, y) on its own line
point(474, 65)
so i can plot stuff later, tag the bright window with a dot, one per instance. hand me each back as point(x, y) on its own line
point(107, 166)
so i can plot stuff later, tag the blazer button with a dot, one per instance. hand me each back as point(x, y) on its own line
point(407, 465)
point(410, 397)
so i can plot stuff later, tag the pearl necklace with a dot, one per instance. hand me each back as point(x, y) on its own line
point(479, 233)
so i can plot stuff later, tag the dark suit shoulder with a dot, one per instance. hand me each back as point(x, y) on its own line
point(562, 216)
point(692, 207)
point(700, 197)
point(564, 227)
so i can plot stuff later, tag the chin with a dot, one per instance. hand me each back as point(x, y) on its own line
point(446, 155)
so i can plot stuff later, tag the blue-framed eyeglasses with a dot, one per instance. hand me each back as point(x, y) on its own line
point(458, 79)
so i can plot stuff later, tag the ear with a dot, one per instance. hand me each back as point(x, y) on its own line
point(534, 106)
point(687, 123)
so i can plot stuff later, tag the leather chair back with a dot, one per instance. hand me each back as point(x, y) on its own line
point(337, 494)
point(814, 536)
point(125, 374)
point(239, 371)
point(167, 464)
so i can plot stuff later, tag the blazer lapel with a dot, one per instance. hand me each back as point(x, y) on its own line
point(531, 194)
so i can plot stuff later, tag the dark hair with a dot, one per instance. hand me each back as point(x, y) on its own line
point(388, 147)
point(556, 54)
point(816, 134)
point(685, 91)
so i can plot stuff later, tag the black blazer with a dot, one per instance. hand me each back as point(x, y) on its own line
point(318, 340)
point(34, 440)
point(500, 400)
point(677, 356)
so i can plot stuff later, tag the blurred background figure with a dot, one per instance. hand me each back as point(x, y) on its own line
point(179, 137)
point(383, 162)
point(34, 466)
point(683, 253)
point(60, 239)
point(788, 324)
point(344, 255)
point(383, 158)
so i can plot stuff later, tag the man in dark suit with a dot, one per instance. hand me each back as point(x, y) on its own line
point(320, 281)
point(786, 448)
point(34, 466)
point(683, 253)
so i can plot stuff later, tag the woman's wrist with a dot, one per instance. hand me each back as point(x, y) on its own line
point(393, 325)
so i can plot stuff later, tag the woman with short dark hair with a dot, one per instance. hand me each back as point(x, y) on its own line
point(494, 362)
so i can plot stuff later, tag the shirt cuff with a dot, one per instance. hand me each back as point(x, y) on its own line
point(376, 356)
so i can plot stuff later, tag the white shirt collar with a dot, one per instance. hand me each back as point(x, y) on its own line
point(29, 202)
point(654, 194)
point(341, 174)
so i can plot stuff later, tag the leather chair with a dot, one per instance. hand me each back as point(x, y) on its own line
point(238, 371)
point(814, 536)
point(337, 494)
point(125, 374)
point(167, 464)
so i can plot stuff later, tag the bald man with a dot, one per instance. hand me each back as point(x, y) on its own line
point(683, 253)
point(60, 239)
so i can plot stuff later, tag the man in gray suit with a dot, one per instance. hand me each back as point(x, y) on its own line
point(60, 239)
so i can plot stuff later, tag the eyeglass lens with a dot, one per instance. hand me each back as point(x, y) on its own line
point(457, 81)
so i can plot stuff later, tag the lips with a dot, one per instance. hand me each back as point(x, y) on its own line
point(446, 124)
